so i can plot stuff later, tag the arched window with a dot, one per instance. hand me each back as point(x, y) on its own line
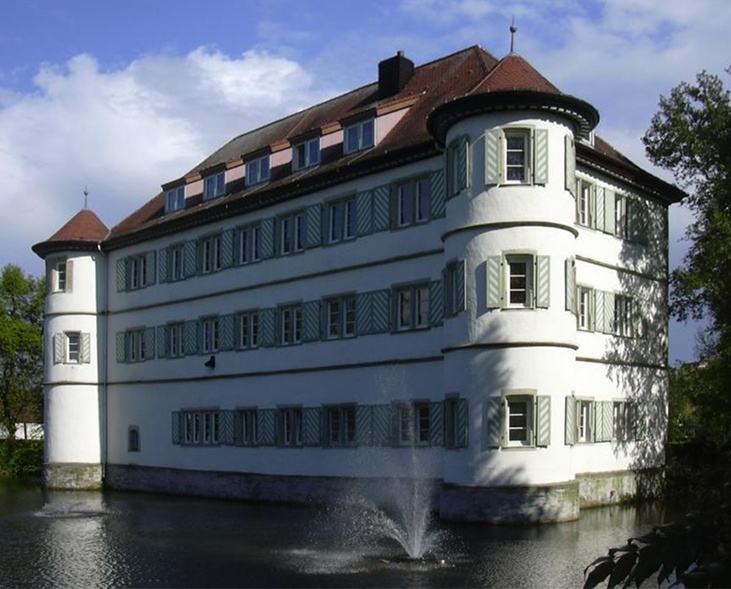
point(133, 439)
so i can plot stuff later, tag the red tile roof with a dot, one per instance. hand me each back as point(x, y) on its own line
point(83, 231)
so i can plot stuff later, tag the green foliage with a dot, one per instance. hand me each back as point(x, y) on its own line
point(20, 458)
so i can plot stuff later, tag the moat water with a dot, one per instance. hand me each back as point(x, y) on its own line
point(75, 539)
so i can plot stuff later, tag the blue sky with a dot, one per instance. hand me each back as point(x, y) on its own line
point(122, 96)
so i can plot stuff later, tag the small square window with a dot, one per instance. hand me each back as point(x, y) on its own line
point(306, 154)
point(359, 136)
point(257, 171)
point(73, 348)
point(214, 186)
point(175, 199)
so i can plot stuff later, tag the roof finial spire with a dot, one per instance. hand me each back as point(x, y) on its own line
point(513, 29)
point(86, 197)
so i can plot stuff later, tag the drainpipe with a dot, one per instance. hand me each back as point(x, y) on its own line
point(104, 434)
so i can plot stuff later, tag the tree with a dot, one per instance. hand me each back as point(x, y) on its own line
point(21, 350)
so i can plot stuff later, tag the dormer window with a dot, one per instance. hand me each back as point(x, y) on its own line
point(306, 154)
point(257, 171)
point(359, 136)
point(175, 199)
point(214, 186)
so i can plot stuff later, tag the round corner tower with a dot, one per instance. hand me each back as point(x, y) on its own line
point(73, 337)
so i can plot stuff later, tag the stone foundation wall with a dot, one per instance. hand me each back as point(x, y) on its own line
point(609, 488)
point(72, 476)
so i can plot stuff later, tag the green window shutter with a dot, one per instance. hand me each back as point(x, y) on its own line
point(227, 248)
point(381, 208)
point(460, 277)
point(226, 325)
point(570, 266)
point(190, 337)
point(436, 423)
point(266, 427)
point(226, 433)
point(311, 319)
point(600, 209)
point(437, 205)
point(493, 158)
point(540, 156)
point(608, 312)
point(543, 282)
point(641, 318)
point(364, 313)
point(592, 205)
point(267, 239)
point(364, 212)
point(463, 164)
point(494, 417)
point(314, 225)
point(640, 222)
point(436, 302)
point(381, 425)
point(149, 338)
point(121, 275)
point(363, 428)
point(462, 433)
point(311, 426)
point(85, 348)
point(190, 258)
point(150, 267)
point(599, 319)
point(543, 420)
point(604, 421)
point(494, 282)
point(121, 347)
point(59, 343)
point(163, 270)
point(381, 310)
point(609, 212)
point(69, 275)
point(175, 427)
point(570, 421)
point(570, 165)
point(163, 339)
point(267, 320)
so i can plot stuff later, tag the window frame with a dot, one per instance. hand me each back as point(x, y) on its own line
point(340, 316)
point(418, 200)
point(306, 154)
point(137, 271)
point(60, 276)
point(248, 426)
point(135, 345)
point(249, 244)
point(341, 220)
point(133, 438)
point(291, 324)
point(258, 170)
point(289, 427)
point(175, 199)
point(176, 262)
point(211, 259)
point(585, 420)
point(586, 312)
point(214, 185)
point(623, 324)
point(411, 307)
point(201, 427)
point(585, 202)
point(248, 335)
point(210, 341)
point(340, 425)
point(72, 347)
point(524, 134)
point(512, 260)
point(292, 232)
point(356, 132)
point(514, 401)
point(176, 340)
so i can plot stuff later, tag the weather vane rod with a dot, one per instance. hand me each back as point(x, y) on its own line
point(86, 197)
point(513, 29)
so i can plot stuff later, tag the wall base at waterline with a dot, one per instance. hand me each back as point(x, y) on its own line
point(72, 476)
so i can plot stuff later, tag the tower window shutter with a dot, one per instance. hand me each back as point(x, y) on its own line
point(311, 426)
point(493, 276)
point(543, 420)
point(381, 425)
point(381, 310)
point(226, 435)
point(436, 423)
point(570, 165)
point(69, 275)
point(267, 238)
point(437, 205)
point(540, 156)
point(436, 302)
point(227, 248)
point(59, 345)
point(363, 433)
point(463, 164)
point(121, 347)
point(462, 433)
point(266, 427)
point(190, 335)
point(460, 277)
point(364, 212)
point(121, 275)
point(226, 325)
point(495, 410)
point(163, 339)
point(85, 348)
point(150, 267)
point(571, 286)
point(267, 320)
point(543, 282)
point(190, 255)
point(163, 270)
point(314, 225)
point(609, 212)
point(363, 313)
point(149, 338)
point(311, 320)
point(175, 427)
point(493, 157)
point(381, 208)
point(570, 421)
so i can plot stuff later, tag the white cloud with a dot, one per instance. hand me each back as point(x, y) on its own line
point(124, 132)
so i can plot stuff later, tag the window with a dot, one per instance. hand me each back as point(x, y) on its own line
point(519, 420)
point(73, 348)
point(359, 136)
point(623, 316)
point(584, 203)
point(519, 280)
point(290, 426)
point(202, 427)
point(412, 202)
point(341, 220)
point(175, 199)
point(137, 266)
point(413, 424)
point(292, 233)
point(454, 295)
point(340, 424)
point(176, 257)
point(624, 217)
point(214, 186)
point(412, 307)
point(176, 347)
point(210, 254)
point(306, 154)
point(59, 276)
point(456, 167)
point(257, 171)
point(249, 244)
point(248, 330)
point(290, 324)
point(517, 156)
point(340, 316)
point(623, 420)
point(585, 421)
point(455, 422)
point(210, 334)
point(136, 350)
point(247, 424)
point(586, 308)
point(133, 439)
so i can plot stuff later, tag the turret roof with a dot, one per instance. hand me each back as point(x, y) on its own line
point(83, 231)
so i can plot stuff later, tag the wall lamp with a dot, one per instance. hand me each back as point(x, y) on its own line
point(211, 362)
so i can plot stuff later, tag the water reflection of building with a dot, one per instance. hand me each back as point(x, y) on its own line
point(447, 261)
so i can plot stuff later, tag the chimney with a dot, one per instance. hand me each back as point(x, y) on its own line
point(393, 74)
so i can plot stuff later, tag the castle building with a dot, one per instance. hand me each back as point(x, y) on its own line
point(446, 267)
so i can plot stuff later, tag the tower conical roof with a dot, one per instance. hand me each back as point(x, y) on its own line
point(84, 231)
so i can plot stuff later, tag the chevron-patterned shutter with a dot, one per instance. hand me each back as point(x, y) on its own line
point(570, 421)
point(190, 258)
point(493, 157)
point(599, 207)
point(150, 267)
point(266, 427)
point(494, 282)
point(121, 346)
point(381, 311)
point(175, 427)
point(462, 425)
point(363, 430)
point(570, 266)
point(314, 225)
point(437, 205)
point(599, 319)
point(570, 165)
point(59, 343)
point(604, 421)
point(463, 164)
point(163, 269)
point(311, 426)
point(69, 276)
point(363, 313)
point(436, 423)
point(436, 302)
point(267, 321)
point(495, 408)
point(381, 208)
point(381, 425)
point(149, 338)
point(227, 248)
point(121, 275)
point(311, 319)
point(163, 341)
point(226, 325)
point(540, 156)
point(190, 337)
point(364, 209)
point(608, 312)
point(226, 433)
point(543, 421)
point(267, 239)
point(639, 223)
point(85, 348)
point(460, 281)
point(609, 212)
